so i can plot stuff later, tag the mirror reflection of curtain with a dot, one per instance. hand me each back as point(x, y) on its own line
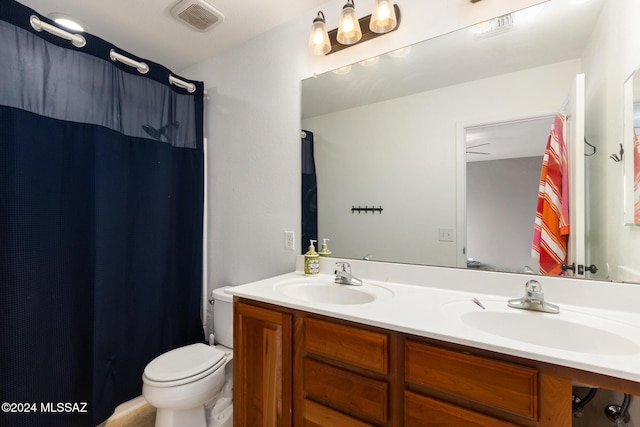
point(100, 223)
point(309, 192)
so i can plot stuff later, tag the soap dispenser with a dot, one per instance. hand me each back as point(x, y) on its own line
point(325, 249)
point(311, 261)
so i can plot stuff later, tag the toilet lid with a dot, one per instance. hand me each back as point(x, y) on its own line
point(184, 362)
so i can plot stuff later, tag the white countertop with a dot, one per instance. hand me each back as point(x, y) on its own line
point(422, 300)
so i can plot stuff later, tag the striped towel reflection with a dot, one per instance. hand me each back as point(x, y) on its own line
point(636, 177)
point(551, 227)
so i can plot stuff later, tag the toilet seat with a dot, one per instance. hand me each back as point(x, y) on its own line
point(183, 365)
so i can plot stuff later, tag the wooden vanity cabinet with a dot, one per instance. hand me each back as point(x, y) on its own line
point(262, 366)
point(300, 369)
point(449, 387)
point(421, 410)
point(502, 389)
point(344, 369)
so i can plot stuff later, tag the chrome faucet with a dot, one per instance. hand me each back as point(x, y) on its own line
point(344, 276)
point(533, 299)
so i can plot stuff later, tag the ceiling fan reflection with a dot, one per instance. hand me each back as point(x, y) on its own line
point(477, 145)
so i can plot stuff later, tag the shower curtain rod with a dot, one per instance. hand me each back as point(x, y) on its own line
point(190, 87)
point(143, 68)
point(79, 41)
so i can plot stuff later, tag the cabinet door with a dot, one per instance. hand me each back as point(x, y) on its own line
point(423, 411)
point(262, 367)
point(352, 393)
point(496, 384)
point(317, 415)
point(355, 346)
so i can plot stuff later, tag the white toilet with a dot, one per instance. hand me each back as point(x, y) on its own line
point(190, 384)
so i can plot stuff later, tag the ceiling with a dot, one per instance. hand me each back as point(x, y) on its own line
point(508, 140)
point(545, 34)
point(146, 28)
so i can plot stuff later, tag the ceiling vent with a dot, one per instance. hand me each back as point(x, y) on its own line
point(197, 14)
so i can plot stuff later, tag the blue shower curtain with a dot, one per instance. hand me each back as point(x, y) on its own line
point(309, 192)
point(101, 203)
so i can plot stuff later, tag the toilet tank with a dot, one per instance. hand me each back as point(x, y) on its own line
point(223, 317)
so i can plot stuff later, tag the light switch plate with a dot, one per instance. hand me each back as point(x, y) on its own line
point(445, 234)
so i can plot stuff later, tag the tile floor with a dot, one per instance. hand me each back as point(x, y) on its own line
point(145, 416)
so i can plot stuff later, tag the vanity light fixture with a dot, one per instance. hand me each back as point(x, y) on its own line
point(319, 38)
point(369, 61)
point(384, 19)
point(400, 53)
point(349, 31)
point(342, 71)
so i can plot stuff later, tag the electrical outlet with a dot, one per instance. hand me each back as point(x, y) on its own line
point(290, 240)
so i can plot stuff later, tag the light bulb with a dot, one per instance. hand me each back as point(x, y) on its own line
point(383, 12)
point(383, 17)
point(349, 28)
point(66, 21)
point(347, 25)
point(317, 36)
point(319, 39)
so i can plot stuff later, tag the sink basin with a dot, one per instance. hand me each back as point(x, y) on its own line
point(323, 290)
point(568, 330)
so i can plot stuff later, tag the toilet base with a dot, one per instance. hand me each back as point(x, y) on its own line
point(194, 417)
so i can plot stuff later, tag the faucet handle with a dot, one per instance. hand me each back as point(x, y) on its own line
point(533, 286)
point(533, 289)
point(343, 266)
point(533, 299)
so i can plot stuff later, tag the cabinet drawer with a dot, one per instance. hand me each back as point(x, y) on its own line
point(355, 346)
point(317, 415)
point(349, 392)
point(501, 385)
point(421, 411)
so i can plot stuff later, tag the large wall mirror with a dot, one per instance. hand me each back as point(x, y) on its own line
point(447, 137)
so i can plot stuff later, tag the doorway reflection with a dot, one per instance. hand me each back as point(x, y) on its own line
point(503, 162)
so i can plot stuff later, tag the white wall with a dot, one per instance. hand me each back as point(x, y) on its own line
point(502, 197)
point(608, 62)
point(403, 154)
point(253, 126)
